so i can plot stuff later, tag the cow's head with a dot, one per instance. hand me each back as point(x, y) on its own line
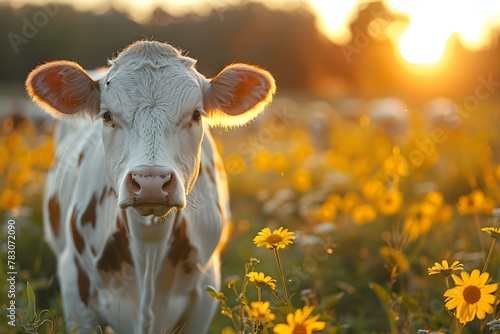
point(152, 104)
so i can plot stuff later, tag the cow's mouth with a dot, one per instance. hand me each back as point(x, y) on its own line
point(155, 209)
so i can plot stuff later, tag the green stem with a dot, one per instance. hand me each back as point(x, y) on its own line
point(275, 294)
point(282, 278)
point(259, 293)
point(488, 257)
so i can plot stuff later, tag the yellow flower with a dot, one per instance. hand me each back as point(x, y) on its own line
point(262, 279)
point(445, 213)
point(396, 165)
point(328, 210)
point(260, 311)
point(262, 161)
point(280, 238)
point(364, 213)
point(301, 150)
point(373, 189)
point(280, 162)
point(434, 197)
point(494, 232)
point(475, 202)
point(419, 220)
point(395, 257)
point(471, 297)
point(302, 179)
point(444, 268)
point(10, 200)
point(300, 322)
point(228, 330)
point(349, 201)
point(390, 202)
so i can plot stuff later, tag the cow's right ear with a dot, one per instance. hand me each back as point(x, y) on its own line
point(63, 88)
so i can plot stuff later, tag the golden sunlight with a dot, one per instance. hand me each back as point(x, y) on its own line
point(334, 17)
point(432, 24)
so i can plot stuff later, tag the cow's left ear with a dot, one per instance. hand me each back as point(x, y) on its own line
point(63, 89)
point(238, 94)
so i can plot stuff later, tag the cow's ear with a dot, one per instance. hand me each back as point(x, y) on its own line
point(63, 88)
point(238, 94)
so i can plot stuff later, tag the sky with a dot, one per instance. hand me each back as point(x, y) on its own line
point(423, 39)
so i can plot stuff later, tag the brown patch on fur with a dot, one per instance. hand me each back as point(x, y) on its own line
point(187, 268)
point(83, 282)
point(80, 159)
point(122, 221)
point(89, 216)
point(210, 174)
point(105, 192)
point(54, 214)
point(181, 247)
point(116, 251)
point(77, 237)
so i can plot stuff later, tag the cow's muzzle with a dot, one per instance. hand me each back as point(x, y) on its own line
point(151, 190)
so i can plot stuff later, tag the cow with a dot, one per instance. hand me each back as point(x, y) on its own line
point(136, 202)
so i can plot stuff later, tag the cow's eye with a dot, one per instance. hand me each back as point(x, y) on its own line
point(107, 118)
point(196, 116)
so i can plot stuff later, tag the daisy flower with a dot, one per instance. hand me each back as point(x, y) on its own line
point(471, 297)
point(262, 279)
point(280, 238)
point(300, 322)
point(260, 311)
point(494, 232)
point(444, 268)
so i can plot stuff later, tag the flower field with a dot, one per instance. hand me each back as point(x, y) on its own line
point(345, 220)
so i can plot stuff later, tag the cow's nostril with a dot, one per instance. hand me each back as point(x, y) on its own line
point(132, 184)
point(169, 181)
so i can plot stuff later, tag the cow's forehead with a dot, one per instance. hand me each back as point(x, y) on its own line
point(145, 85)
point(142, 80)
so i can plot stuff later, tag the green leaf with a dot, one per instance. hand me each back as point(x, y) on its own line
point(31, 303)
point(330, 301)
point(385, 299)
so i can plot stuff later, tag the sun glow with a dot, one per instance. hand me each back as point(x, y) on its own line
point(334, 18)
point(431, 25)
point(424, 40)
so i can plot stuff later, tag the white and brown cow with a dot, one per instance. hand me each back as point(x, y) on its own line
point(136, 202)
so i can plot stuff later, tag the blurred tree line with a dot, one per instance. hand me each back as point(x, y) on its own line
point(285, 42)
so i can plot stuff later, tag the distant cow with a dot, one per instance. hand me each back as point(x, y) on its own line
point(136, 203)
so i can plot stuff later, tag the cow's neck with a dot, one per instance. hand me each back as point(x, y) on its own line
point(149, 246)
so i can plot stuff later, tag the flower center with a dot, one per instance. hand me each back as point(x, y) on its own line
point(274, 239)
point(299, 329)
point(472, 294)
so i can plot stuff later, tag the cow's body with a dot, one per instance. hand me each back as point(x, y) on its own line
point(137, 231)
point(90, 235)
